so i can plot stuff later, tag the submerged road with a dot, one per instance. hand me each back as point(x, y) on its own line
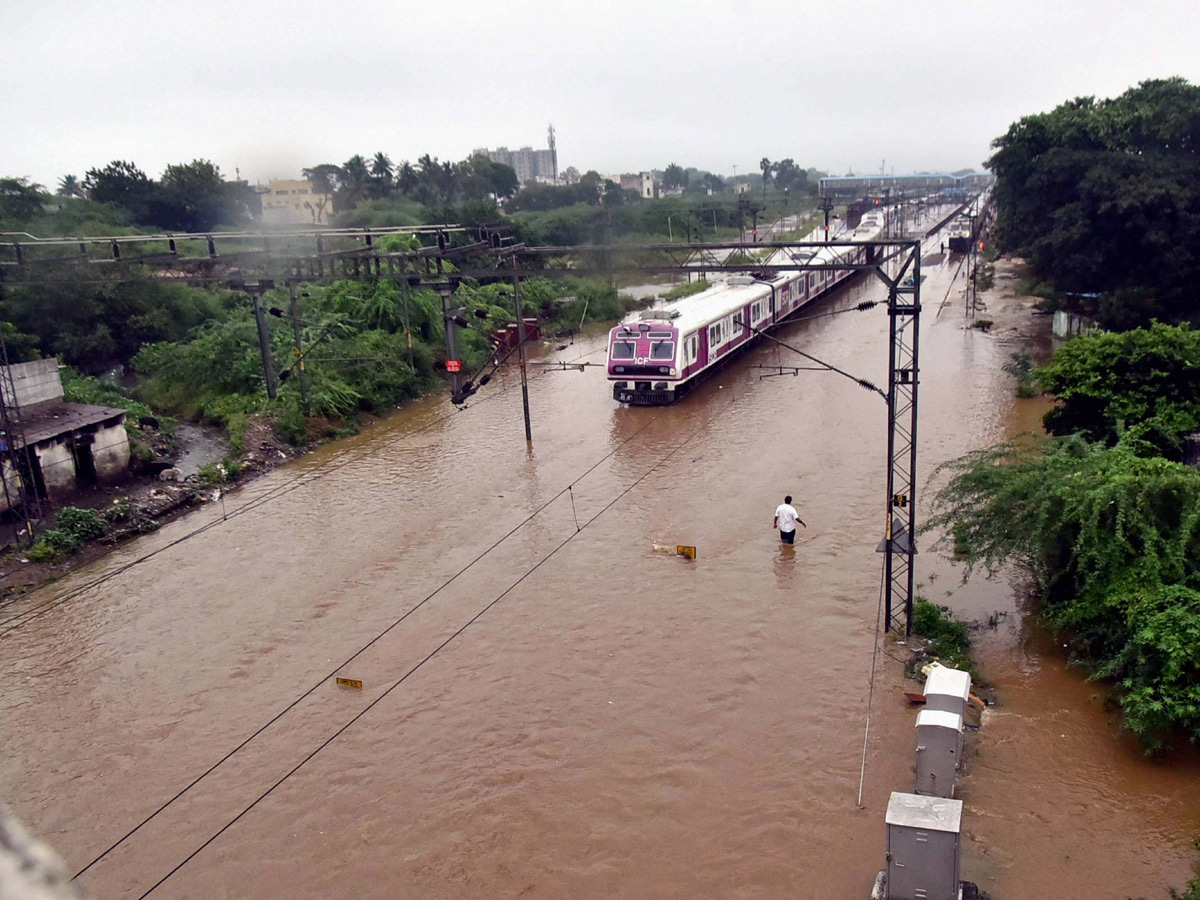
point(549, 708)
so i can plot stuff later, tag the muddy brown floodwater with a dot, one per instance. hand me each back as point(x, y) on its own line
point(569, 714)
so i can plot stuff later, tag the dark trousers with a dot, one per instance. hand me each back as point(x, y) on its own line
point(788, 537)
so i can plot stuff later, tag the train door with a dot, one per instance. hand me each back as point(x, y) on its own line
point(702, 357)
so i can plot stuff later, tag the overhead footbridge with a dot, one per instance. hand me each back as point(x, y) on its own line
point(845, 187)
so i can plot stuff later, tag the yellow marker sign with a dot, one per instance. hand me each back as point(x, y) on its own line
point(689, 552)
point(353, 683)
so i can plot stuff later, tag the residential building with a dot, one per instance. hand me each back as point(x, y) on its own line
point(642, 182)
point(295, 203)
point(529, 164)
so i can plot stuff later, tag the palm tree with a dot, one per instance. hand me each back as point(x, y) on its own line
point(381, 171)
point(765, 165)
point(69, 186)
point(406, 177)
point(356, 176)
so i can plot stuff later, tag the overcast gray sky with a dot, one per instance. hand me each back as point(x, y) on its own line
point(269, 87)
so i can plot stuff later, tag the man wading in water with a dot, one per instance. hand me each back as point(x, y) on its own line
point(786, 518)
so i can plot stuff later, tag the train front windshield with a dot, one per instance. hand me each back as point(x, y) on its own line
point(623, 350)
point(662, 350)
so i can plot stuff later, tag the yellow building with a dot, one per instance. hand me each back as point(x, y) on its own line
point(295, 203)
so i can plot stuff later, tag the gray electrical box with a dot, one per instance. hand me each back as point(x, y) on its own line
point(922, 847)
point(947, 689)
point(939, 749)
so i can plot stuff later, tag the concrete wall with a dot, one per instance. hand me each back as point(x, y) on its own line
point(14, 485)
point(1068, 324)
point(58, 467)
point(111, 452)
point(109, 446)
point(35, 382)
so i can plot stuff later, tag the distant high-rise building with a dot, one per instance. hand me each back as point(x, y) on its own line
point(529, 164)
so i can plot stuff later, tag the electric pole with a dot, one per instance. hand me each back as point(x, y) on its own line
point(826, 207)
point(264, 340)
point(521, 346)
point(299, 350)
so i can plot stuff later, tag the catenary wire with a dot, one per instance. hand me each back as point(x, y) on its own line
point(324, 678)
point(430, 656)
point(274, 493)
point(862, 772)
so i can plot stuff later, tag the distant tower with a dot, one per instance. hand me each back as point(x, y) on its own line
point(553, 152)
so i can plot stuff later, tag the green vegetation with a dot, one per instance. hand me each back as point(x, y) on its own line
point(949, 639)
point(1148, 379)
point(685, 289)
point(1113, 536)
point(1021, 367)
point(195, 351)
point(1104, 197)
point(223, 472)
point(75, 527)
point(1191, 892)
point(1108, 524)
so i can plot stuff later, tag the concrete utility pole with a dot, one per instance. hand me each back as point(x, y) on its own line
point(521, 346)
point(450, 316)
point(264, 343)
point(299, 349)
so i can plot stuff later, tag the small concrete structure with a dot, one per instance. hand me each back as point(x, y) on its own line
point(67, 445)
point(947, 689)
point(939, 751)
point(922, 847)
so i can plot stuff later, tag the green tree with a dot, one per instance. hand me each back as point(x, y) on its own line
point(1104, 197)
point(1105, 383)
point(355, 181)
point(674, 176)
point(1113, 536)
point(765, 165)
point(20, 200)
point(325, 178)
point(123, 185)
point(193, 197)
point(69, 186)
point(381, 174)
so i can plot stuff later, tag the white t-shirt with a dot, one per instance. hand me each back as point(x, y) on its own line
point(787, 516)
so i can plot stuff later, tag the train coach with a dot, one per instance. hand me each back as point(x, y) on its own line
point(658, 358)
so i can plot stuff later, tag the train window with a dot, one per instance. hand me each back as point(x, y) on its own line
point(662, 350)
point(714, 334)
point(663, 335)
point(695, 348)
point(622, 350)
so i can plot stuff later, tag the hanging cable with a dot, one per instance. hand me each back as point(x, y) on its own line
point(862, 772)
point(332, 672)
point(430, 656)
point(328, 468)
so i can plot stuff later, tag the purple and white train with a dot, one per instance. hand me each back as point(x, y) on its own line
point(657, 359)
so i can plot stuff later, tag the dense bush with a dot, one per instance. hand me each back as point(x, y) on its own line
point(950, 640)
point(1113, 534)
point(1105, 383)
point(83, 523)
